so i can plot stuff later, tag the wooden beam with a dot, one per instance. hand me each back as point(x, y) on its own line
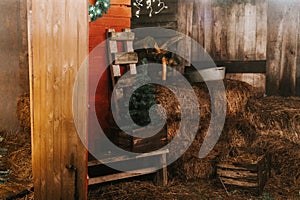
point(255, 66)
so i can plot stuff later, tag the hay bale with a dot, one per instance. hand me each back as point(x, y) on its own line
point(237, 94)
point(23, 112)
point(237, 133)
point(278, 116)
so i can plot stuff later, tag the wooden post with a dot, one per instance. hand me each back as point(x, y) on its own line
point(58, 45)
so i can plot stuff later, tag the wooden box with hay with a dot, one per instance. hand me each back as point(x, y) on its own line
point(249, 171)
point(139, 144)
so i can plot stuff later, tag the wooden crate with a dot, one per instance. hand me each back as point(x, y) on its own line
point(247, 171)
point(136, 144)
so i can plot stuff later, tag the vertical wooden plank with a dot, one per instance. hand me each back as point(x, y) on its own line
point(259, 80)
point(82, 99)
point(219, 45)
point(185, 22)
point(189, 29)
point(59, 46)
point(250, 32)
point(275, 34)
point(48, 73)
point(197, 30)
point(298, 59)
point(249, 38)
point(261, 29)
point(287, 84)
point(208, 24)
point(240, 31)
point(231, 32)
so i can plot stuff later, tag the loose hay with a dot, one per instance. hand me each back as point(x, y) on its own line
point(278, 116)
point(285, 164)
point(23, 112)
point(18, 160)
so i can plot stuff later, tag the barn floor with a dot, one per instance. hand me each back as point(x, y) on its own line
point(283, 183)
point(17, 159)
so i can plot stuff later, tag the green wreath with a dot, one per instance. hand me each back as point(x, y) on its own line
point(96, 11)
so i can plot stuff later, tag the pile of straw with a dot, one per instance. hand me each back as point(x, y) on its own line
point(278, 116)
point(23, 112)
point(18, 160)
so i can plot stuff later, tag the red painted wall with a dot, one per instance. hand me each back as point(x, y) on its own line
point(118, 17)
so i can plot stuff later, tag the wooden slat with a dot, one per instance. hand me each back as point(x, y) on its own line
point(120, 36)
point(112, 159)
point(125, 58)
point(241, 175)
point(235, 167)
point(228, 181)
point(112, 177)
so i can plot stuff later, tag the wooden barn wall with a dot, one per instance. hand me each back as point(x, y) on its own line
point(58, 46)
point(14, 76)
point(237, 32)
point(117, 17)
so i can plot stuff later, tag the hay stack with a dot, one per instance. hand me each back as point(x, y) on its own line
point(23, 112)
point(236, 134)
point(237, 94)
point(278, 116)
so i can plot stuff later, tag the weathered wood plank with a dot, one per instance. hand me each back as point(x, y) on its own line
point(118, 176)
point(229, 181)
point(259, 80)
point(240, 32)
point(231, 32)
point(250, 32)
point(274, 46)
point(241, 175)
point(261, 29)
point(125, 58)
point(287, 84)
point(119, 36)
point(298, 61)
point(208, 24)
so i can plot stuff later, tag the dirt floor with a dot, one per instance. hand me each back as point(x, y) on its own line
point(279, 186)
